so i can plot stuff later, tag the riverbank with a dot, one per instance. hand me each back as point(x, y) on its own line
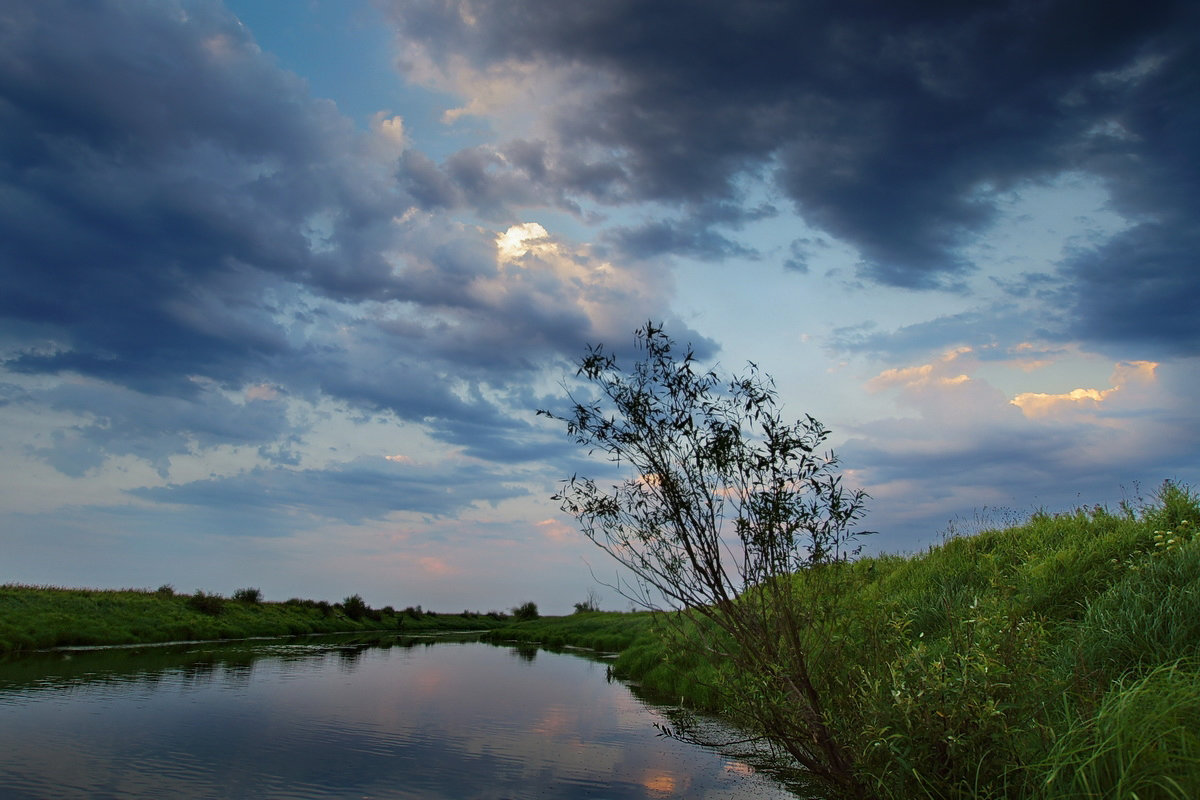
point(1055, 659)
point(40, 617)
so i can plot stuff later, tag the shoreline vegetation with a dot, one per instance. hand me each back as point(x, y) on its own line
point(1059, 658)
point(46, 617)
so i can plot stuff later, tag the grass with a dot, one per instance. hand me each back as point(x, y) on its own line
point(40, 617)
point(1059, 658)
point(604, 631)
point(1143, 741)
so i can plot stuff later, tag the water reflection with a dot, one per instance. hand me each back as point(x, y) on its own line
point(341, 719)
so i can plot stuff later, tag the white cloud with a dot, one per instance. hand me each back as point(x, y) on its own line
point(521, 239)
point(390, 133)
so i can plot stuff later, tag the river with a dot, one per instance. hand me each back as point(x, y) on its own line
point(332, 718)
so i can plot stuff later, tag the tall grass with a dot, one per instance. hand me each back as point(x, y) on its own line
point(1142, 742)
point(1055, 658)
point(989, 649)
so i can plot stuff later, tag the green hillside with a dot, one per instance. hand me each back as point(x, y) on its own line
point(1055, 659)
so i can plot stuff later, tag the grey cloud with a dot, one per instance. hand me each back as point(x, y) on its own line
point(500, 444)
point(1000, 326)
point(175, 206)
point(891, 126)
point(1138, 293)
point(1030, 284)
point(799, 251)
point(12, 393)
point(697, 233)
point(426, 183)
point(687, 238)
point(157, 170)
point(352, 492)
point(125, 422)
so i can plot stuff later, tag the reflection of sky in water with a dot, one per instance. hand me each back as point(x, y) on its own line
point(445, 721)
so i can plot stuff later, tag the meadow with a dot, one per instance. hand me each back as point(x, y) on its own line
point(1059, 658)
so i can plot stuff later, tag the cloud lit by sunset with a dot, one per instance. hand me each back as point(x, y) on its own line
point(1041, 404)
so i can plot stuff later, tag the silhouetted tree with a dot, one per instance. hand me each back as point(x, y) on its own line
point(723, 502)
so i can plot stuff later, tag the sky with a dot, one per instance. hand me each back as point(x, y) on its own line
point(284, 282)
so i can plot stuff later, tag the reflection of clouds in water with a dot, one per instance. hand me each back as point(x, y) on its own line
point(443, 721)
point(554, 721)
point(661, 783)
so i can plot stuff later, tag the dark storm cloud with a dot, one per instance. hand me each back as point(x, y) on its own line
point(1139, 293)
point(176, 207)
point(157, 174)
point(892, 126)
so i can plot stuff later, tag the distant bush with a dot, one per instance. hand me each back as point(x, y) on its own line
point(526, 611)
point(211, 604)
point(589, 605)
point(355, 607)
point(414, 613)
point(248, 595)
point(166, 590)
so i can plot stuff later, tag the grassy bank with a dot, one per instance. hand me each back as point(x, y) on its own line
point(1055, 659)
point(605, 631)
point(38, 617)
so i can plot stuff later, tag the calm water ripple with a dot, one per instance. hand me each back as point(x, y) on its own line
point(323, 720)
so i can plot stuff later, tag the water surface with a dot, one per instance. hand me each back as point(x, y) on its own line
point(320, 719)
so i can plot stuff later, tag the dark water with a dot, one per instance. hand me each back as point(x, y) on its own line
point(337, 719)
